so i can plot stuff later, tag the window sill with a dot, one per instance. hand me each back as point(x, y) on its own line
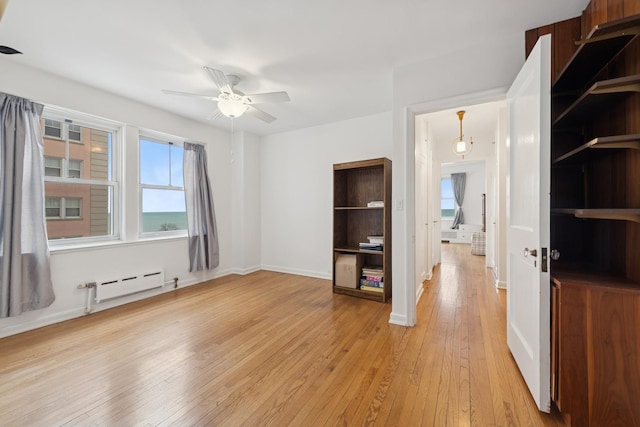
point(108, 244)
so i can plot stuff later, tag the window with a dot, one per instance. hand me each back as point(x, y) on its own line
point(72, 208)
point(80, 179)
point(447, 201)
point(63, 208)
point(52, 207)
point(64, 130)
point(75, 168)
point(52, 129)
point(52, 166)
point(75, 134)
point(161, 187)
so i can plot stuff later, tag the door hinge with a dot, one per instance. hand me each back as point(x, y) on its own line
point(545, 260)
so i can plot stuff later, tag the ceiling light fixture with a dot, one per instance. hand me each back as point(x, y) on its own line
point(459, 146)
point(231, 105)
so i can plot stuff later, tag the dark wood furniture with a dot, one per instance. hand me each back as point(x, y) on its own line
point(595, 214)
point(356, 184)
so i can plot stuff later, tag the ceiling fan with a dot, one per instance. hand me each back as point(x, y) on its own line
point(231, 102)
point(6, 49)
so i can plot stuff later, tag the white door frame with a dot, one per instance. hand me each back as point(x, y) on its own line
point(410, 113)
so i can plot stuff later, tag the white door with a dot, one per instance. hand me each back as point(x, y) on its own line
point(528, 294)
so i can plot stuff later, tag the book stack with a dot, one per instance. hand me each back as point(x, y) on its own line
point(372, 279)
point(375, 243)
point(375, 204)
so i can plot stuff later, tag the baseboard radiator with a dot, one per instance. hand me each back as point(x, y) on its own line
point(131, 284)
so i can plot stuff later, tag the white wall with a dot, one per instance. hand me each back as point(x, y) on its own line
point(474, 188)
point(297, 189)
point(245, 183)
point(76, 266)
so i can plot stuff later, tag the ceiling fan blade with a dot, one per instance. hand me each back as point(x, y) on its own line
point(219, 79)
point(194, 95)
point(258, 113)
point(262, 98)
point(8, 50)
point(215, 114)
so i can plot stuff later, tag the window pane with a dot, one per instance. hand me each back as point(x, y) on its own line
point(72, 208)
point(75, 133)
point(94, 202)
point(94, 156)
point(446, 191)
point(52, 166)
point(176, 166)
point(53, 128)
point(163, 210)
point(52, 207)
point(75, 168)
point(154, 163)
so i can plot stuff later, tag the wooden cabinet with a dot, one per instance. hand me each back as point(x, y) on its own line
point(595, 222)
point(596, 350)
point(362, 208)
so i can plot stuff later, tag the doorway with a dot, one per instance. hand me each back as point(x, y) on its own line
point(434, 134)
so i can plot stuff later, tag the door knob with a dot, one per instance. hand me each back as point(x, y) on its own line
point(532, 252)
point(555, 254)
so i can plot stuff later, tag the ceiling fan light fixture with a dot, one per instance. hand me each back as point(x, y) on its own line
point(459, 146)
point(231, 105)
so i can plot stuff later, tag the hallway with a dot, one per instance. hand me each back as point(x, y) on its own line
point(473, 378)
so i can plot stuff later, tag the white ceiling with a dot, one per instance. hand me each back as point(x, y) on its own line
point(335, 58)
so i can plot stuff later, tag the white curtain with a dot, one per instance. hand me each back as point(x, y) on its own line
point(201, 217)
point(25, 275)
point(458, 182)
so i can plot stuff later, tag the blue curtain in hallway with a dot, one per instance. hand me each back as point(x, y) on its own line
point(25, 274)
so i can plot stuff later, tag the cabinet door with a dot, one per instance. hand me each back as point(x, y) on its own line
point(528, 294)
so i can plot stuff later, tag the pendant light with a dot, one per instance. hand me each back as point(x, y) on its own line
point(459, 146)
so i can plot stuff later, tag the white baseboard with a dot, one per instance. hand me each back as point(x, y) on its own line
point(420, 292)
point(299, 272)
point(398, 319)
point(41, 321)
point(245, 271)
point(501, 284)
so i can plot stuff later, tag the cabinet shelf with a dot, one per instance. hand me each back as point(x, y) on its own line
point(614, 214)
point(600, 46)
point(599, 94)
point(358, 251)
point(611, 142)
point(358, 208)
point(581, 275)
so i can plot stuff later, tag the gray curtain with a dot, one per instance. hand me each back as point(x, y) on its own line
point(25, 274)
point(458, 182)
point(201, 217)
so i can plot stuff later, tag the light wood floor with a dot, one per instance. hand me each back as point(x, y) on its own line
point(275, 349)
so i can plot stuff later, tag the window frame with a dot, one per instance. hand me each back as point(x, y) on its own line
point(163, 139)
point(114, 184)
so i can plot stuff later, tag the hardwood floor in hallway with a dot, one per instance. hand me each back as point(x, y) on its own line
point(275, 349)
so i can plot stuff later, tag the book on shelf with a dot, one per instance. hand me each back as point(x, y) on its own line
point(370, 246)
point(372, 271)
point(375, 204)
point(372, 289)
point(374, 278)
point(371, 283)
